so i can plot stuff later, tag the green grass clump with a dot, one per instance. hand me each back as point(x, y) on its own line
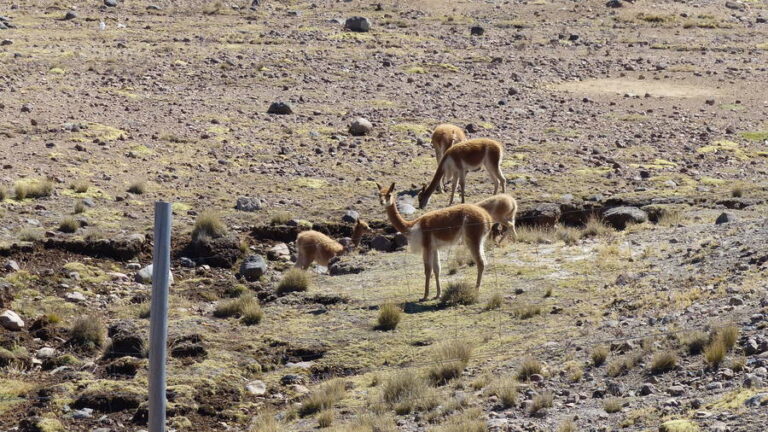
point(451, 358)
point(30, 234)
point(506, 390)
point(79, 207)
point(599, 355)
point(138, 187)
point(33, 189)
point(541, 401)
point(69, 225)
point(405, 392)
point(459, 293)
point(87, 332)
point(80, 186)
point(529, 367)
point(293, 280)
point(208, 225)
point(323, 398)
point(246, 306)
point(389, 317)
point(252, 314)
point(663, 361)
point(280, 218)
point(526, 311)
point(495, 302)
point(714, 353)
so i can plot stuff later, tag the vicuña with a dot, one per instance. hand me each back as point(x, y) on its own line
point(438, 229)
point(444, 136)
point(467, 156)
point(503, 209)
point(315, 246)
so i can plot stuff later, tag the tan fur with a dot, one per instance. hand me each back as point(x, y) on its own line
point(444, 136)
point(315, 246)
point(440, 228)
point(464, 157)
point(503, 209)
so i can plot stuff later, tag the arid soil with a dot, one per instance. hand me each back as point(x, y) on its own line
point(651, 113)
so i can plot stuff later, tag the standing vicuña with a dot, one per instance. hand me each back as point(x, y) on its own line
point(503, 209)
point(438, 229)
point(467, 156)
point(315, 246)
point(444, 136)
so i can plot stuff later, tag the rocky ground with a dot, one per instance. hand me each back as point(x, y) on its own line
point(647, 116)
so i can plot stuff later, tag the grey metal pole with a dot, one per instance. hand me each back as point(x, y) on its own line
point(158, 326)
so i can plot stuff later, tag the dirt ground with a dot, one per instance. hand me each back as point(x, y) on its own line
point(660, 105)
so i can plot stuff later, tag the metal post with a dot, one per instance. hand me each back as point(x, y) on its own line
point(158, 327)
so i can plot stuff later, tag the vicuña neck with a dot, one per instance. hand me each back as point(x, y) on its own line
point(436, 178)
point(400, 224)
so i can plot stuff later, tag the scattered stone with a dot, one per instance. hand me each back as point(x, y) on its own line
point(11, 321)
point(291, 379)
point(279, 251)
point(256, 387)
point(155, 7)
point(248, 204)
point(110, 3)
point(358, 24)
point(144, 275)
point(186, 262)
point(360, 126)
point(614, 4)
point(619, 217)
point(381, 243)
point(476, 31)
point(253, 267)
point(70, 15)
point(725, 217)
point(281, 108)
point(760, 399)
point(45, 353)
point(6, 42)
point(350, 216)
point(752, 381)
point(678, 426)
point(12, 266)
point(736, 301)
point(342, 265)
point(677, 390)
point(82, 413)
point(734, 5)
point(75, 297)
point(647, 389)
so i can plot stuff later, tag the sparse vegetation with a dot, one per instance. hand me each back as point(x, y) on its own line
point(79, 207)
point(663, 361)
point(596, 228)
point(567, 426)
point(737, 192)
point(695, 342)
point(293, 280)
point(325, 419)
point(33, 189)
point(505, 390)
point(542, 401)
point(729, 335)
point(138, 187)
point(87, 332)
point(451, 358)
point(30, 234)
point(495, 302)
point(469, 420)
point(323, 398)
point(245, 306)
point(526, 311)
point(406, 392)
point(69, 225)
point(280, 218)
point(715, 352)
point(208, 225)
point(612, 405)
point(80, 186)
point(389, 317)
point(459, 293)
point(529, 367)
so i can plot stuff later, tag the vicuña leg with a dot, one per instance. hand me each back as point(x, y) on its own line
point(478, 254)
point(436, 270)
point(454, 181)
point(462, 181)
point(427, 256)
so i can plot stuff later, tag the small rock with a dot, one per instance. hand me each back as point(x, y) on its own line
point(256, 387)
point(291, 379)
point(406, 209)
point(12, 266)
point(752, 381)
point(82, 413)
point(248, 204)
point(279, 108)
point(476, 31)
point(647, 389)
point(144, 275)
point(278, 252)
point(11, 321)
point(360, 126)
point(45, 353)
point(6, 42)
point(75, 297)
point(70, 15)
point(619, 217)
point(186, 262)
point(676, 390)
point(734, 5)
point(110, 3)
point(725, 217)
point(154, 7)
point(253, 267)
point(350, 216)
point(614, 4)
point(358, 24)
point(381, 243)
point(735, 301)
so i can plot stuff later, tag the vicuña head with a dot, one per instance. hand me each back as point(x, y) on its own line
point(438, 229)
point(503, 209)
point(467, 156)
point(315, 246)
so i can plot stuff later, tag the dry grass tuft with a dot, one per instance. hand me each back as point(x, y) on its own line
point(30, 234)
point(599, 355)
point(567, 426)
point(624, 364)
point(663, 361)
point(80, 186)
point(265, 422)
point(737, 192)
point(459, 293)
point(293, 280)
point(87, 332)
point(535, 235)
point(208, 225)
point(245, 306)
point(495, 302)
point(389, 317)
point(568, 235)
point(612, 405)
point(542, 401)
point(715, 352)
point(729, 335)
point(280, 218)
point(79, 207)
point(406, 392)
point(506, 390)
point(69, 225)
point(325, 419)
point(371, 422)
point(526, 311)
point(33, 189)
point(469, 420)
point(596, 228)
point(529, 367)
point(323, 398)
point(738, 364)
point(695, 342)
point(451, 358)
point(138, 187)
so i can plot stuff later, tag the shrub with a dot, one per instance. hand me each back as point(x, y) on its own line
point(265, 422)
point(293, 280)
point(506, 390)
point(245, 306)
point(252, 313)
point(138, 187)
point(526, 311)
point(663, 361)
point(714, 353)
point(599, 354)
point(495, 302)
point(541, 401)
point(459, 293)
point(595, 228)
point(469, 420)
point(325, 419)
point(737, 192)
point(567, 426)
point(33, 189)
point(208, 225)
point(30, 234)
point(79, 207)
point(80, 186)
point(452, 358)
point(623, 365)
point(738, 364)
point(530, 366)
point(729, 335)
point(280, 218)
point(574, 371)
point(323, 398)
point(480, 382)
point(370, 422)
point(695, 342)
point(87, 332)
point(568, 235)
point(389, 317)
point(612, 406)
point(406, 392)
point(69, 225)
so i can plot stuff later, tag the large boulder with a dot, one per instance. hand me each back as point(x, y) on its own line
point(360, 127)
point(620, 217)
point(11, 320)
point(358, 24)
point(217, 252)
point(144, 275)
point(546, 214)
point(253, 267)
point(725, 217)
point(248, 204)
point(127, 340)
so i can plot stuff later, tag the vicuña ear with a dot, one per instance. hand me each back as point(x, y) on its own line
point(391, 188)
point(378, 186)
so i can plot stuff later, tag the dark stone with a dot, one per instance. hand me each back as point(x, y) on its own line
point(279, 108)
point(350, 216)
point(291, 379)
point(739, 203)
point(341, 266)
point(471, 128)
point(546, 214)
point(381, 243)
point(127, 340)
point(725, 217)
point(70, 15)
point(619, 217)
point(248, 204)
point(476, 31)
point(124, 366)
point(188, 346)
point(110, 3)
point(614, 4)
point(219, 252)
point(253, 267)
point(358, 24)
point(108, 402)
